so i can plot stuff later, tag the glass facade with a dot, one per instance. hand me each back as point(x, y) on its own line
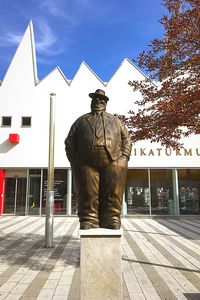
point(147, 191)
point(60, 191)
point(161, 191)
point(15, 195)
point(27, 196)
point(137, 192)
point(9, 198)
point(189, 191)
point(34, 192)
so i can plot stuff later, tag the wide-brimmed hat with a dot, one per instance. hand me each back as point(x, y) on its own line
point(99, 93)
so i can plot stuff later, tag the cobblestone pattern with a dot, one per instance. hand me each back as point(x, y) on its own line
point(161, 259)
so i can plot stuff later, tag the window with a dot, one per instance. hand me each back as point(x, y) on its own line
point(161, 191)
point(6, 121)
point(60, 191)
point(26, 121)
point(137, 192)
point(157, 200)
point(189, 191)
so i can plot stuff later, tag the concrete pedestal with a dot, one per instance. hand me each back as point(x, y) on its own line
point(100, 264)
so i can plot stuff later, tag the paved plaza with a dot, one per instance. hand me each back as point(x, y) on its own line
point(160, 259)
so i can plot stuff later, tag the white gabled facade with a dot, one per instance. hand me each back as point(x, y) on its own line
point(23, 95)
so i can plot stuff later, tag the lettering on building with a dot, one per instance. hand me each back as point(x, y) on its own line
point(166, 152)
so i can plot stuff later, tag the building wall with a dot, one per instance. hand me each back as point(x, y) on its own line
point(22, 94)
point(159, 181)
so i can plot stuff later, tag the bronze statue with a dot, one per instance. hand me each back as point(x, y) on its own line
point(98, 147)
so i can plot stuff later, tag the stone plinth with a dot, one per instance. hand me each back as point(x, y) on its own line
point(100, 264)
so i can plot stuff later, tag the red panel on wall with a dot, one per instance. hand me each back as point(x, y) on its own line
point(14, 138)
point(57, 207)
point(2, 173)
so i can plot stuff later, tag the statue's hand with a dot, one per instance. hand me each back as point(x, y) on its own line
point(124, 156)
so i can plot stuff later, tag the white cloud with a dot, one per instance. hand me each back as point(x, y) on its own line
point(46, 41)
point(77, 11)
point(45, 38)
point(10, 39)
point(57, 9)
point(52, 8)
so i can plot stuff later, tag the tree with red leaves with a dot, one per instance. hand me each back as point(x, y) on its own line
point(170, 105)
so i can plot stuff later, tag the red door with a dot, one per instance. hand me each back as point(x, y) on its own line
point(2, 181)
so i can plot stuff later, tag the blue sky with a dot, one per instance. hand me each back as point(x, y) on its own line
point(100, 32)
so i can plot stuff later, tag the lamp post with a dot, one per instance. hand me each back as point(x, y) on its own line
point(50, 183)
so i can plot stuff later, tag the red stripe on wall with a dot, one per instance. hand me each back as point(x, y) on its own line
point(2, 183)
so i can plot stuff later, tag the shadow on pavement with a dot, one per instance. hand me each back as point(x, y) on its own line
point(160, 265)
point(192, 296)
point(29, 251)
point(182, 229)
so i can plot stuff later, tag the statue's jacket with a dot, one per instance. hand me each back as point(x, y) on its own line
point(81, 138)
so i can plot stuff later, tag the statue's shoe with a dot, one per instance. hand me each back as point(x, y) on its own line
point(86, 226)
point(114, 225)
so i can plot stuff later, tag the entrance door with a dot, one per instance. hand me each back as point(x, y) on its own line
point(15, 196)
point(20, 196)
point(34, 194)
point(9, 200)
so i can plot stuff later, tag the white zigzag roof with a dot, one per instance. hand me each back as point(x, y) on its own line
point(23, 94)
point(26, 53)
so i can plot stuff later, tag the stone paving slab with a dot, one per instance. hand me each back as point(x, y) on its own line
point(160, 259)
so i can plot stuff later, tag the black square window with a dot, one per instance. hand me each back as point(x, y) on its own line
point(26, 121)
point(6, 121)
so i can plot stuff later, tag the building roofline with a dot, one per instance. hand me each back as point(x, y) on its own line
point(68, 81)
point(49, 74)
point(85, 64)
point(33, 54)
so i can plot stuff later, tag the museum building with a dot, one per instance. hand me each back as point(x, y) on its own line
point(160, 181)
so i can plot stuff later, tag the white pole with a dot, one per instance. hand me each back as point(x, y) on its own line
point(149, 184)
point(176, 192)
point(50, 184)
point(69, 192)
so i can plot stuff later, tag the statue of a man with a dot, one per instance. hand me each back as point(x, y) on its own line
point(98, 147)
